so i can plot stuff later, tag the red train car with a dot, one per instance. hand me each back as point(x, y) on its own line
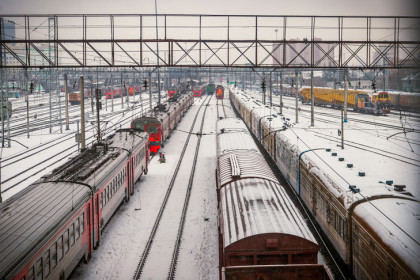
point(220, 92)
point(197, 91)
point(171, 92)
point(74, 98)
point(62, 215)
point(115, 93)
point(159, 124)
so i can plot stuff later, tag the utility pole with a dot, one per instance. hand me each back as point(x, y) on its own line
point(150, 93)
point(49, 89)
point(345, 95)
point(281, 92)
point(27, 100)
point(98, 107)
point(342, 129)
point(297, 95)
point(112, 94)
point(66, 99)
point(2, 109)
point(59, 101)
point(312, 99)
point(271, 91)
point(122, 92)
point(82, 111)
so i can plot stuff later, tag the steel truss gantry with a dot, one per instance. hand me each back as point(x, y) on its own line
point(230, 41)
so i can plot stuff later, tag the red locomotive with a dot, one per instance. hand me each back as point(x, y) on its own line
point(197, 91)
point(220, 92)
point(160, 123)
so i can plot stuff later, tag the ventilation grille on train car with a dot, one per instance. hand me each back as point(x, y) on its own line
point(236, 170)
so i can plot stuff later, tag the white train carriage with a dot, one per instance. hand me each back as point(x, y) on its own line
point(336, 207)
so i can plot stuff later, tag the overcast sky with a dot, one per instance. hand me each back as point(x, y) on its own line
point(248, 7)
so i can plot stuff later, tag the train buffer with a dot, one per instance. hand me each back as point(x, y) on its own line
point(162, 158)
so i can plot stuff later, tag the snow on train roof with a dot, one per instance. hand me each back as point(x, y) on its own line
point(256, 206)
point(370, 172)
point(405, 237)
point(377, 167)
point(232, 139)
point(242, 164)
point(230, 124)
point(26, 219)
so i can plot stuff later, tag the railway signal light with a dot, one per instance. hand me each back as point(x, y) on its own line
point(263, 85)
point(145, 84)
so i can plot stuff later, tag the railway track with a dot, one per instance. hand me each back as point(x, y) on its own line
point(169, 216)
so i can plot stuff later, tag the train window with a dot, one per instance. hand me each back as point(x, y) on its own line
point(77, 228)
point(53, 251)
point(71, 234)
point(102, 200)
point(31, 273)
point(82, 223)
point(60, 252)
point(66, 241)
point(38, 269)
point(46, 263)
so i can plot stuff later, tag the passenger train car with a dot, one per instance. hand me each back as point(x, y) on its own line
point(375, 230)
point(258, 224)
point(50, 226)
point(359, 100)
point(160, 123)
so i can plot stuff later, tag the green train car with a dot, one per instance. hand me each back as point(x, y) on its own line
point(210, 88)
point(6, 104)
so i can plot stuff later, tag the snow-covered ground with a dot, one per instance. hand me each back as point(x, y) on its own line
point(125, 235)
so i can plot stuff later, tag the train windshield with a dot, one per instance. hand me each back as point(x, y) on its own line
point(152, 129)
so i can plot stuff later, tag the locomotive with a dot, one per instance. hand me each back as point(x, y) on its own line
point(220, 92)
point(160, 123)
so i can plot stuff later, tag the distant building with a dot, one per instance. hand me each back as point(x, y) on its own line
point(304, 51)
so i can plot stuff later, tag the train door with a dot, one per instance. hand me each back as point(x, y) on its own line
point(90, 229)
point(129, 181)
point(96, 231)
point(132, 174)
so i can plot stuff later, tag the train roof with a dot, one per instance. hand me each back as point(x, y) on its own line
point(100, 156)
point(400, 232)
point(369, 174)
point(255, 206)
point(241, 164)
point(233, 135)
point(29, 218)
